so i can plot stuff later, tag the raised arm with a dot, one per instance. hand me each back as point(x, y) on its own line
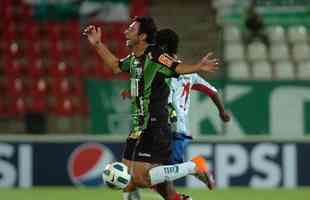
point(94, 37)
point(207, 64)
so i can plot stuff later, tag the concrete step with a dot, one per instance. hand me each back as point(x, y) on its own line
point(195, 50)
point(193, 29)
point(176, 11)
point(194, 23)
point(180, 20)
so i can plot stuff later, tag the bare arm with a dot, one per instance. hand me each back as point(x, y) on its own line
point(94, 37)
point(220, 107)
point(187, 68)
point(207, 64)
point(225, 117)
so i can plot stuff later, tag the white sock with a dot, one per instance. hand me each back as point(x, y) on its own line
point(134, 195)
point(126, 195)
point(164, 173)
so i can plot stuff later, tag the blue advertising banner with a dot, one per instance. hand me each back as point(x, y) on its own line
point(253, 164)
point(55, 164)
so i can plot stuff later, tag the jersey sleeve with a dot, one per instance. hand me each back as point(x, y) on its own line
point(200, 84)
point(158, 56)
point(167, 63)
point(124, 64)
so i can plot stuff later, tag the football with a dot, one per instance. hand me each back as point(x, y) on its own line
point(116, 175)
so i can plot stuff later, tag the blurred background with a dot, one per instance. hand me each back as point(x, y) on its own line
point(56, 94)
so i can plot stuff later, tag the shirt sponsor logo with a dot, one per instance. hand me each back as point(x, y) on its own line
point(165, 59)
point(144, 154)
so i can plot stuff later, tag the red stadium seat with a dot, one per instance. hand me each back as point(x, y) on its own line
point(82, 107)
point(17, 2)
point(3, 109)
point(107, 73)
point(105, 35)
point(15, 87)
point(2, 8)
point(53, 30)
point(89, 66)
point(6, 22)
point(31, 32)
point(26, 11)
point(89, 71)
point(139, 8)
point(121, 50)
point(33, 48)
point(10, 32)
point(38, 104)
point(35, 68)
point(98, 68)
point(55, 50)
point(117, 32)
point(72, 30)
point(63, 107)
point(38, 88)
point(61, 87)
point(12, 68)
point(99, 71)
point(3, 100)
point(77, 70)
point(121, 76)
point(7, 11)
point(78, 89)
point(71, 49)
point(17, 106)
point(13, 49)
point(60, 69)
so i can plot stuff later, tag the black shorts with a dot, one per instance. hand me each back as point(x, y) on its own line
point(153, 146)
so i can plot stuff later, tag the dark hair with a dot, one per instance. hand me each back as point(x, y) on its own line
point(168, 40)
point(147, 26)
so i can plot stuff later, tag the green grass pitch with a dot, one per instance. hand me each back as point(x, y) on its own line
point(72, 193)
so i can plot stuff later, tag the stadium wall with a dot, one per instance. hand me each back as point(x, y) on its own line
point(258, 107)
point(27, 161)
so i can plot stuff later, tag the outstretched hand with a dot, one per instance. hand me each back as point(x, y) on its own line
point(93, 34)
point(209, 64)
point(225, 116)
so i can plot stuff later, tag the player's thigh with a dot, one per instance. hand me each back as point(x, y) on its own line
point(154, 146)
point(139, 173)
point(179, 145)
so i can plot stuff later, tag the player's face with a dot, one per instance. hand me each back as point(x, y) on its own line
point(132, 34)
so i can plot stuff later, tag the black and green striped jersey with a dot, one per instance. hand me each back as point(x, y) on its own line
point(148, 87)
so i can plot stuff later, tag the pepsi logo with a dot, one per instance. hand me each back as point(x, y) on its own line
point(87, 162)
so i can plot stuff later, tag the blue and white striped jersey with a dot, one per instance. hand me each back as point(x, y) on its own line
point(180, 98)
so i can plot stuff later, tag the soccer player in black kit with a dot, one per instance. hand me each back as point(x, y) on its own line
point(147, 150)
